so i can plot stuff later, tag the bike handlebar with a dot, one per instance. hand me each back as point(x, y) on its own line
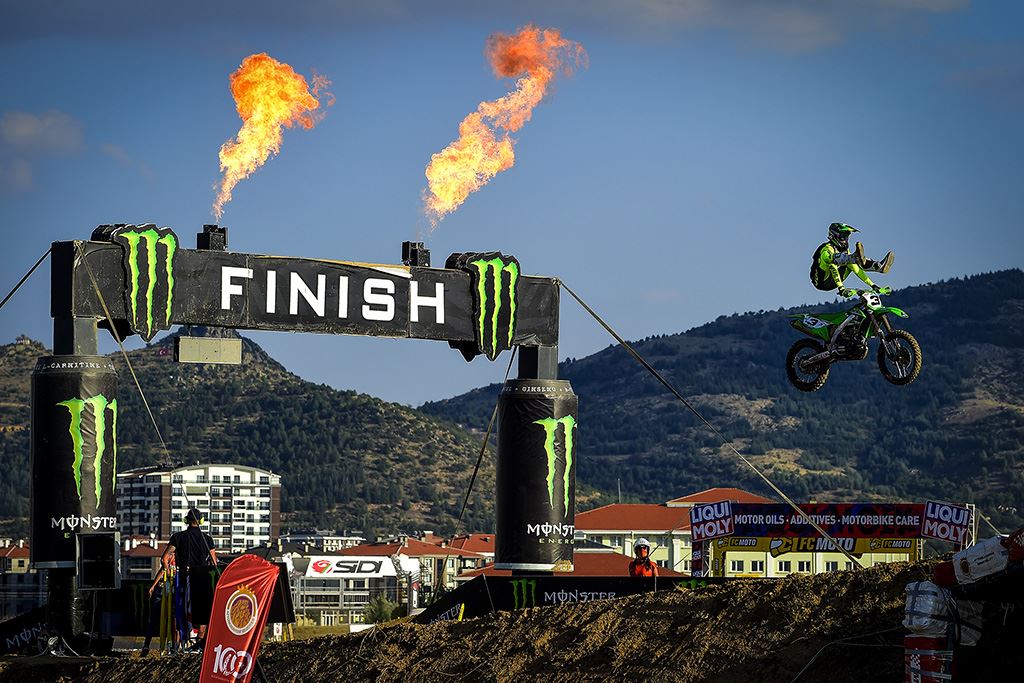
point(881, 290)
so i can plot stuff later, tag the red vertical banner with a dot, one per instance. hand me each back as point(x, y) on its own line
point(240, 608)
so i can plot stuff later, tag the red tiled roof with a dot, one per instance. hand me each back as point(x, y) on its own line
point(411, 548)
point(14, 552)
point(633, 517)
point(146, 550)
point(586, 564)
point(430, 537)
point(477, 543)
point(719, 494)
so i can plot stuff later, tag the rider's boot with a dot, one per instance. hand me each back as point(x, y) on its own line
point(882, 266)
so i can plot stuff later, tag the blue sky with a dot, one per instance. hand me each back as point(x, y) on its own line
point(689, 172)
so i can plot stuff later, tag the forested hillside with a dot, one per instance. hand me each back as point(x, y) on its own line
point(352, 461)
point(957, 433)
point(347, 460)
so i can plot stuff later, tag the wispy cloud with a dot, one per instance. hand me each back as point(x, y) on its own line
point(52, 132)
point(122, 157)
point(26, 137)
point(15, 176)
point(994, 71)
point(789, 25)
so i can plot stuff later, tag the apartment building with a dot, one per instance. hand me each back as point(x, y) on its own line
point(242, 504)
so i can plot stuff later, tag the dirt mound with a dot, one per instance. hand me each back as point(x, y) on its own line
point(765, 630)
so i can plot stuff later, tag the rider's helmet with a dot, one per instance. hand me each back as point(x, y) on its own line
point(642, 548)
point(839, 235)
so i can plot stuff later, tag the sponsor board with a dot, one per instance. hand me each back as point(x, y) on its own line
point(839, 520)
point(945, 522)
point(484, 595)
point(240, 609)
point(710, 521)
point(481, 303)
point(73, 454)
point(22, 632)
point(536, 475)
point(351, 567)
point(778, 546)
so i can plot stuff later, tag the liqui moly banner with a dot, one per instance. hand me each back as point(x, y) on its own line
point(945, 522)
point(240, 608)
point(710, 521)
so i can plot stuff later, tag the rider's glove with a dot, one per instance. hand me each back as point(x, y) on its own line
point(876, 289)
point(843, 291)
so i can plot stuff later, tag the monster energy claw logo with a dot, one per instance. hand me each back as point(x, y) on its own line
point(520, 597)
point(100, 405)
point(149, 265)
point(550, 426)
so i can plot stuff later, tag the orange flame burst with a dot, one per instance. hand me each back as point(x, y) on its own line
point(269, 96)
point(484, 147)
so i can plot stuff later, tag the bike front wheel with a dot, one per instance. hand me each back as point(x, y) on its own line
point(899, 357)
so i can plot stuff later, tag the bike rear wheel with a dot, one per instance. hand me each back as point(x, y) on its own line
point(899, 357)
point(801, 376)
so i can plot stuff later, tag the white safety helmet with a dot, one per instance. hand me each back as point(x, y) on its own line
point(641, 543)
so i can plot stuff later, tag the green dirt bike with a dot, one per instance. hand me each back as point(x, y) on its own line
point(844, 336)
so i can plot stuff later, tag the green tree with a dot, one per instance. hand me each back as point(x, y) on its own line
point(379, 610)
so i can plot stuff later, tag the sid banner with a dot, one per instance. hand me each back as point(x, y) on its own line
point(241, 604)
point(536, 475)
point(850, 520)
point(73, 454)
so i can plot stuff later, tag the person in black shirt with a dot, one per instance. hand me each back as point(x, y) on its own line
point(192, 549)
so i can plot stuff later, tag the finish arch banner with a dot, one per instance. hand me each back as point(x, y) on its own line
point(240, 608)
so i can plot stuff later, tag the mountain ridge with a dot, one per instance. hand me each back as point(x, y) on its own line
point(352, 461)
point(955, 433)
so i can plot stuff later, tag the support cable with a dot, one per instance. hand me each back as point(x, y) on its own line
point(128, 362)
point(26, 276)
point(640, 359)
point(988, 521)
point(479, 460)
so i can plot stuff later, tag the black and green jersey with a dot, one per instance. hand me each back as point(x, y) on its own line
point(828, 271)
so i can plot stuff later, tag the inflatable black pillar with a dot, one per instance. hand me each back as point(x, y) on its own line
point(73, 471)
point(536, 475)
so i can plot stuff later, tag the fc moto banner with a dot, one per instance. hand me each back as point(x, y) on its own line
point(536, 475)
point(241, 605)
point(73, 453)
point(849, 520)
point(779, 546)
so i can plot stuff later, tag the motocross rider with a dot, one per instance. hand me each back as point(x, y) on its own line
point(833, 262)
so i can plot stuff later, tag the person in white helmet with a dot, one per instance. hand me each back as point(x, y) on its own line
point(641, 564)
